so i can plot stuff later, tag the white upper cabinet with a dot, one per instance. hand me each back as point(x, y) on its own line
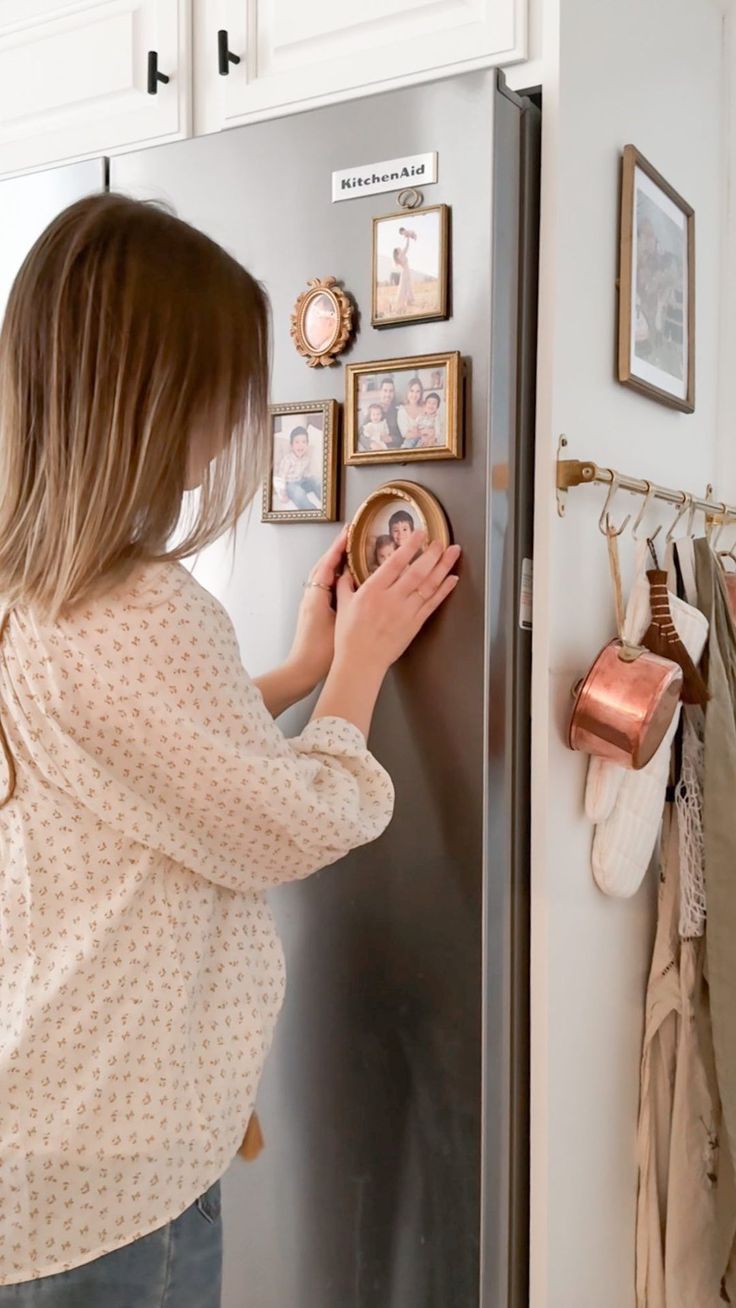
point(76, 77)
point(300, 53)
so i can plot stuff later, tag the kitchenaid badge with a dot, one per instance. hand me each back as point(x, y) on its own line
point(389, 175)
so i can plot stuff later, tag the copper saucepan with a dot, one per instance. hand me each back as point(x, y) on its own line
point(625, 705)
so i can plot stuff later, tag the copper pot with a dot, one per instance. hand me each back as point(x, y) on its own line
point(625, 705)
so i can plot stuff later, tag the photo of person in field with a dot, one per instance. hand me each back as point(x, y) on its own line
point(409, 266)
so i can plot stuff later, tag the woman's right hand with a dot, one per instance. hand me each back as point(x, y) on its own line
point(376, 623)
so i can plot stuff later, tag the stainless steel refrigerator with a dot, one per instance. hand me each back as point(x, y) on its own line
point(28, 204)
point(394, 1103)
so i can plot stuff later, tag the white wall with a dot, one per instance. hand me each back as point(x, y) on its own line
point(650, 74)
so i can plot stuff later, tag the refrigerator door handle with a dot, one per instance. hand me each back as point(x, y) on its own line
point(225, 56)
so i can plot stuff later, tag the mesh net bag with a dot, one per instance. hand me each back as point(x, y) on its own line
point(689, 805)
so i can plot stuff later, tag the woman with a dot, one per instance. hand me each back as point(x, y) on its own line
point(405, 297)
point(150, 799)
point(411, 411)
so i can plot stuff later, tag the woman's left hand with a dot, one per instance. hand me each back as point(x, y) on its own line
point(314, 641)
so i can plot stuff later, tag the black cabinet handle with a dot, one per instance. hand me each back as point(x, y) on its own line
point(225, 56)
point(154, 76)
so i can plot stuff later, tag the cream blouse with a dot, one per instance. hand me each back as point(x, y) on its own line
point(140, 970)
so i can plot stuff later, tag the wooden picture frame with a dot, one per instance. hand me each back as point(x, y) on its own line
point(414, 424)
point(322, 322)
point(400, 294)
point(321, 471)
point(415, 506)
point(656, 325)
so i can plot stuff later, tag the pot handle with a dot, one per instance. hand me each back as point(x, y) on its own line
point(630, 653)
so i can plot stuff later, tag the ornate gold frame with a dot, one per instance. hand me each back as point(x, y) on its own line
point(453, 400)
point(631, 159)
point(412, 214)
point(328, 512)
point(423, 500)
point(344, 322)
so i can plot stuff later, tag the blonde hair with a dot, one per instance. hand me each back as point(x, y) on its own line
point(126, 332)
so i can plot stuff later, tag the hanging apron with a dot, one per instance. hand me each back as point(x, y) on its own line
point(720, 841)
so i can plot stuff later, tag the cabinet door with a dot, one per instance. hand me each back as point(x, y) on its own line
point(74, 77)
point(293, 54)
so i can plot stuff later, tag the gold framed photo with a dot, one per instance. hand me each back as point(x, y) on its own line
point(410, 267)
point(322, 322)
point(401, 410)
point(386, 519)
point(656, 329)
point(302, 483)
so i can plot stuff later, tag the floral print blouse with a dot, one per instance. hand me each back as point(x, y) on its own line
point(140, 971)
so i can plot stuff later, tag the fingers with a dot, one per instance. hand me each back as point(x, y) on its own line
point(428, 587)
point(439, 597)
point(391, 570)
point(426, 573)
point(326, 568)
point(345, 588)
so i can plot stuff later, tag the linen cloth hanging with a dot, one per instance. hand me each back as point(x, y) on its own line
point(686, 1202)
point(719, 826)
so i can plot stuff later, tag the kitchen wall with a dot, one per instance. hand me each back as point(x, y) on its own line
point(652, 75)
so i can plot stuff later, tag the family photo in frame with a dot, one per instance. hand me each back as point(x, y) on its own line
point(403, 409)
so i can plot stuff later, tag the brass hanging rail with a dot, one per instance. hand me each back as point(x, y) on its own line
point(583, 472)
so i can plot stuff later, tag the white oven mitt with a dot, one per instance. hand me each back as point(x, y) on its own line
point(604, 778)
point(623, 844)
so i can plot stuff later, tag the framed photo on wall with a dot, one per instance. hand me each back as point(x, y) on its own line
point(656, 333)
point(322, 322)
point(410, 266)
point(302, 485)
point(404, 410)
point(386, 520)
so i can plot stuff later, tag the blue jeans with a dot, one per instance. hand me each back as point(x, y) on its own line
point(178, 1266)
point(299, 491)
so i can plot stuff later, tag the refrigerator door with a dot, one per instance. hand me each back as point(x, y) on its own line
point(387, 1098)
point(28, 204)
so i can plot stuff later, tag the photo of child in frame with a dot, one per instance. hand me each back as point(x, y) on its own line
point(302, 484)
point(390, 527)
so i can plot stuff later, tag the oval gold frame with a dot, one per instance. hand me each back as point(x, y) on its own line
point(343, 322)
point(430, 510)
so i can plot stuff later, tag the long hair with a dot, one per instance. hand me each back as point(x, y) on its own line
point(127, 333)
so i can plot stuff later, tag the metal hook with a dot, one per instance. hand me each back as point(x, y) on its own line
point(686, 504)
point(716, 529)
point(604, 522)
point(640, 516)
point(694, 509)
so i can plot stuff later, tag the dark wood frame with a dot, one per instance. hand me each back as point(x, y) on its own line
point(631, 160)
point(328, 513)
